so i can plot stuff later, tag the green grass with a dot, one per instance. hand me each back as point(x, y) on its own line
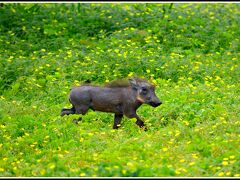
point(190, 51)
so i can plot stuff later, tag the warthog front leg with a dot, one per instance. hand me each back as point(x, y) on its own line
point(117, 120)
point(139, 122)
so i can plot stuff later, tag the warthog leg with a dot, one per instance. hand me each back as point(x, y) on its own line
point(139, 122)
point(117, 120)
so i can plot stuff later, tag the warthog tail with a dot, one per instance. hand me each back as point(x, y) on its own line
point(68, 111)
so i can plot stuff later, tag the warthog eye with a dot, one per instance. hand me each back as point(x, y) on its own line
point(144, 90)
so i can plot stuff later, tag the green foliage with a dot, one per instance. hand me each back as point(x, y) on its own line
point(190, 51)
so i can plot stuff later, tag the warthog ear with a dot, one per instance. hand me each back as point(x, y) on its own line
point(133, 83)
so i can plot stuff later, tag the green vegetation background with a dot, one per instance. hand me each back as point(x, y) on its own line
point(190, 51)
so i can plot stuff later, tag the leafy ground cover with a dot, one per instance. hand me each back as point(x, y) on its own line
point(191, 53)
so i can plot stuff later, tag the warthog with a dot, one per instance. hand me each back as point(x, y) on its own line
point(118, 97)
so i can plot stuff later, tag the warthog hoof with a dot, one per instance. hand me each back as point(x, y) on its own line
point(77, 120)
point(145, 128)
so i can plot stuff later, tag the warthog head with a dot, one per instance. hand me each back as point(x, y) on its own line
point(145, 92)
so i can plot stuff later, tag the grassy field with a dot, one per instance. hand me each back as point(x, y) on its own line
point(190, 51)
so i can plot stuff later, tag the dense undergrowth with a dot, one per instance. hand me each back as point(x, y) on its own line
point(191, 53)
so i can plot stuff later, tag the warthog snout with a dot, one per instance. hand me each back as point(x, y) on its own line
point(155, 103)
